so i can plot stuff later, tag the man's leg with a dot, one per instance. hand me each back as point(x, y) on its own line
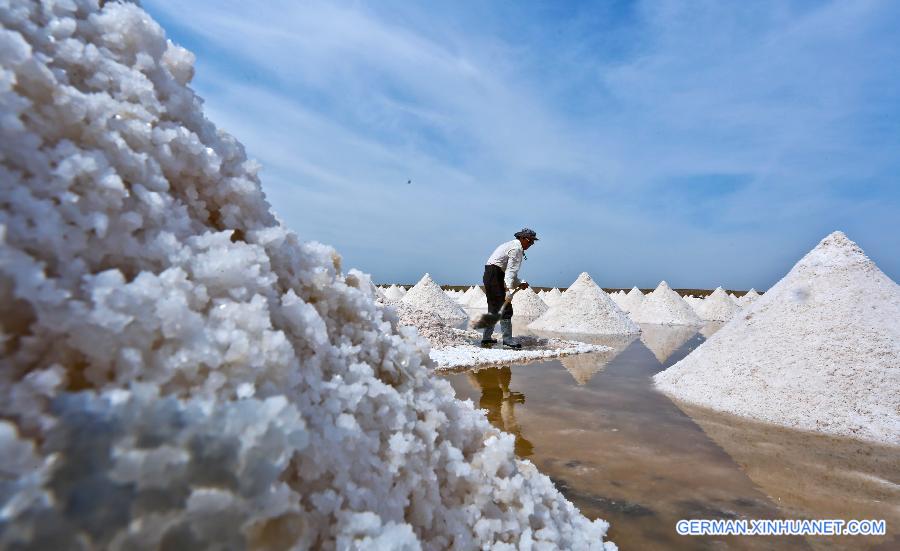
point(493, 289)
point(506, 328)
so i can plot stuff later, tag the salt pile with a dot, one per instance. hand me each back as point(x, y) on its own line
point(477, 299)
point(718, 306)
point(585, 308)
point(179, 369)
point(632, 300)
point(819, 351)
point(749, 297)
point(664, 307)
point(552, 297)
point(427, 295)
point(394, 293)
point(470, 292)
point(526, 304)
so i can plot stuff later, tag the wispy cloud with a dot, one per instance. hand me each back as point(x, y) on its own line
point(618, 132)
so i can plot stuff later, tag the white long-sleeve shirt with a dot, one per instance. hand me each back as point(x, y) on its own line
point(508, 257)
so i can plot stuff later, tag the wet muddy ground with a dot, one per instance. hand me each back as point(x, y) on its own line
point(623, 452)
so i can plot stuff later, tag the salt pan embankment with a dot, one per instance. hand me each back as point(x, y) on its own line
point(585, 308)
point(179, 369)
point(820, 351)
point(665, 307)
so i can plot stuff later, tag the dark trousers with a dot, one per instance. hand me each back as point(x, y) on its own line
point(496, 291)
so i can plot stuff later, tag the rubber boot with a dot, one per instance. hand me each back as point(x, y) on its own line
point(487, 338)
point(506, 329)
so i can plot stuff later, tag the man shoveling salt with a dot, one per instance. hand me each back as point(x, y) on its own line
point(501, 280)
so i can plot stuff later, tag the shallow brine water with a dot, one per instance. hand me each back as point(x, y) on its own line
point(621, 451)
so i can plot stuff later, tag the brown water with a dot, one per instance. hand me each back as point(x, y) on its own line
point(623, 452)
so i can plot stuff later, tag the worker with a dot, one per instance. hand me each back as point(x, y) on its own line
point(501, 278)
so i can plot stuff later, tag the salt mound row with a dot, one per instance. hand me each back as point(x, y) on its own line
point(585, 308)
point(470, 292)
point(718, 306)
point(665, 307)
point(632, 300)
point(477, 299)
point(179, 369)
point(526, 304)
point(428, 295)
point(820, 351)
point(395, 293)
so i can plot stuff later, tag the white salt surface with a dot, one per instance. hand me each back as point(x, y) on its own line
point(428, 295)
point(665, 307)
point(180, 370)
point(819, 351)
point(526, 304)
point(477, 299)
point(470, 355)
point(632, 300)
point(718, 306)
point(585, 308)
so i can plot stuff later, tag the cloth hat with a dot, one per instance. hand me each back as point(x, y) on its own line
point(526, 233)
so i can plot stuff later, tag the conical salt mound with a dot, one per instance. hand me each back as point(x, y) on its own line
point(470, 292)
point(819, 351)
point(718, 306)
point(585, 308)
point(665, 307)
point(749, 297)
point(664, 340)
point(632, 300)
point(427, 295)
point(394, 293)
point(526, 304)
point(181, 370)
point(477, 299)
point(552, 297)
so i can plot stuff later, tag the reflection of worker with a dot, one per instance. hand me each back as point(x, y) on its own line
point(501, 276)
point(500, 404)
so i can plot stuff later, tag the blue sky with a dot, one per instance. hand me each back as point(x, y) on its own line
point(704, 143)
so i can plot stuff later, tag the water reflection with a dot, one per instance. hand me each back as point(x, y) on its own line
point(500, 403)
point(710, 328)
point(813, 475)
point(664, 340)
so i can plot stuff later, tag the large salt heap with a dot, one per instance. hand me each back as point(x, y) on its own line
point(180, 370)
point(428, 295)
point(585, 308)
point(718, 306)
point(526, 304)
point(819, 351)
point(665, 307)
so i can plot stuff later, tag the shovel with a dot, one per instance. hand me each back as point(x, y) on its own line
point(489, 319)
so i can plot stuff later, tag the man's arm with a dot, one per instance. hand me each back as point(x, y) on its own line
point(514, 262)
